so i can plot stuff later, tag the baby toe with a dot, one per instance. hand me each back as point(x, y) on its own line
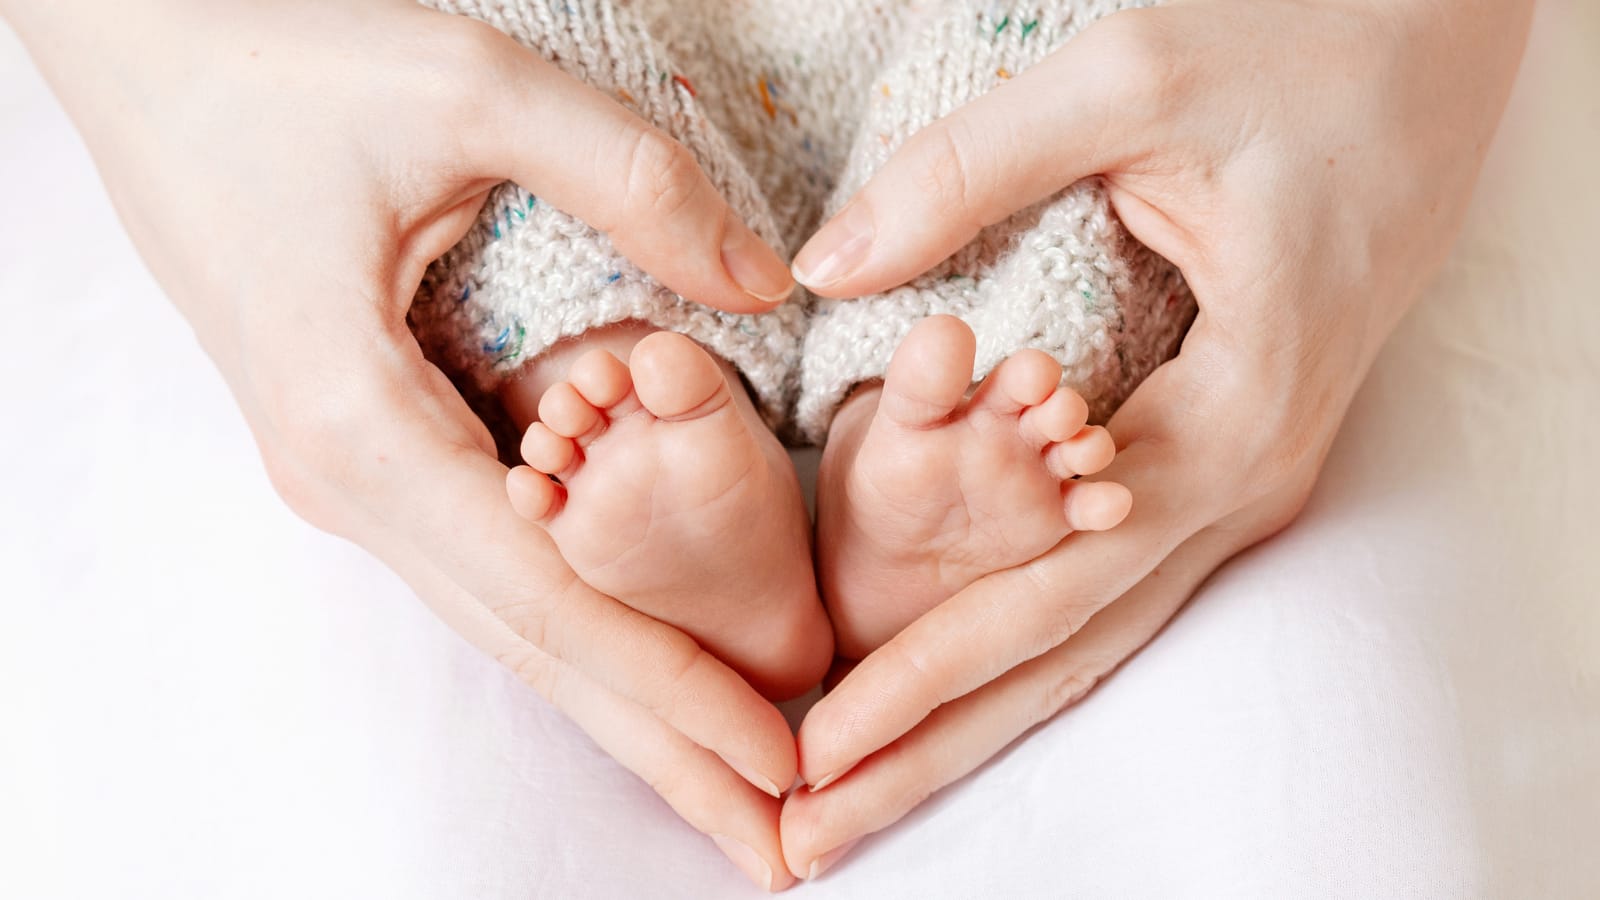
point(547, 451)
point(1095, 505)
point(1059, 418)
point(675, 379)
point(1022, 380)
point(568, 414)
point(533, 495)
point(930, 372)
point(1086, 453)
point(601, 378)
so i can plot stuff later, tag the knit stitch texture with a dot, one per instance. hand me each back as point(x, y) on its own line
point(790, 107)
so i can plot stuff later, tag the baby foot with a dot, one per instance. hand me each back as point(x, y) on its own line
point(673, 497)
point(923, 491)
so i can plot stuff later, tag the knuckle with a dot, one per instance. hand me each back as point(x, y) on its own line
point(671, 783)
point(450, 65)
point(331, 425)
point(913, 794)
point(1059, 693)
point(1061, 617)
point(1290, 445)
point(1138, 58)
point(539, 618)
point(663, 178)
point(683, 660)
point(297, 491)
point(537, 671)
point(531, 621)
point(316, 427)
point(927, 687)
point(462, 57)
point(1284, 508)
point(1278, 509)
point(1261, 519)
point(945, 174)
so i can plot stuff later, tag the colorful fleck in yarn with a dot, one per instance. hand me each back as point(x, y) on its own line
point(528, 275)
point(789, 107)
point(1063, 276)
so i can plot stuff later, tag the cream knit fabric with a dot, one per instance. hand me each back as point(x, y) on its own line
point(789, 107)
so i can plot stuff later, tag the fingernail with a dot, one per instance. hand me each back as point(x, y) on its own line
point(822, 863)
point(754, 265)
point(748, 861)
point(831, 777)
point(838, 249)
point(755, 778)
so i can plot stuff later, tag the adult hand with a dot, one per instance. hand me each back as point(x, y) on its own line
point(1307, 164)
point(288, 170)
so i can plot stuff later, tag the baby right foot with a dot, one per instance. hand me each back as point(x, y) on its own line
point(921, 491)
point(669, 494)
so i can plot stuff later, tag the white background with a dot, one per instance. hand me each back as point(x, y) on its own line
point(1399, 697)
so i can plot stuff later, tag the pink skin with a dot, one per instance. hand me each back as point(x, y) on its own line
point(923, 491)
point(674, 498)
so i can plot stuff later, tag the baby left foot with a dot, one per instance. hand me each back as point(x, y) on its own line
point(675, 499)
point(923, 491)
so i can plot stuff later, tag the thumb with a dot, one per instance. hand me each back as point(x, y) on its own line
point(1056, 123)
point(587, 155)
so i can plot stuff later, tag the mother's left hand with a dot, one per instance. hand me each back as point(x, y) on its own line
point(1307, 164)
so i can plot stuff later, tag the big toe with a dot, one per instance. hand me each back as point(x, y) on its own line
point(675, 379)
point(929, 373)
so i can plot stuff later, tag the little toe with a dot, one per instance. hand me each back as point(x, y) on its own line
point(533, 495)
point(1022, 380)
point(1095, 505)
point(566, 413)
point(929, 373)
point(601, 378)
point(1086, 453)
point(547, 451)
point(1059, 418)
point(675, 379)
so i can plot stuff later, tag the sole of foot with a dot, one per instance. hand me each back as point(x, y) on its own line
point(927, 484)
point(662, 488)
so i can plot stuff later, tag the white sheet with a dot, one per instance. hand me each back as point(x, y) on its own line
point(1400, 696)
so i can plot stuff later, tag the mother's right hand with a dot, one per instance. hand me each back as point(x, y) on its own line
point(288, 170)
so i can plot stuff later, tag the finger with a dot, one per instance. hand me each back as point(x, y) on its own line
point(627, 179)
point(1012, 616)
point(962, 735)
point(392, 442)
point(698, 786)
point(1056, 123)
point(655, 665)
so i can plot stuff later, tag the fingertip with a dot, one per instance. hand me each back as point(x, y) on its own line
point(757, 780)
point(754, 266)
point(748, 861)
point(827, 860)
point(838, 249)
